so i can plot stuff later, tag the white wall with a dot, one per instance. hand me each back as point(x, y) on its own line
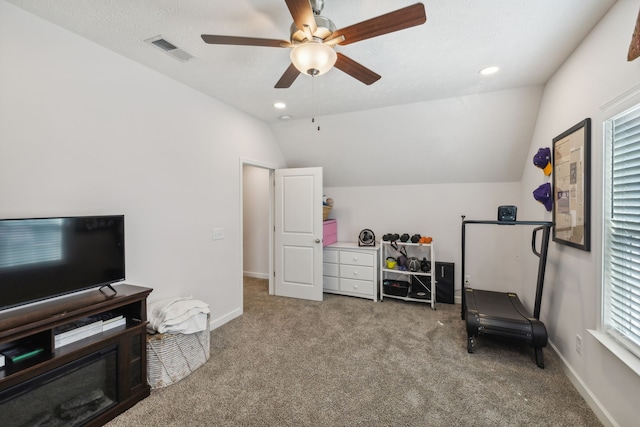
point(493, 257)
point(596, 74)
point(483, 138)
point(86, 131)
point(255, 235)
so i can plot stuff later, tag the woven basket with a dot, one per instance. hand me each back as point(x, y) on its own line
point(172, 357)
point(326, 210)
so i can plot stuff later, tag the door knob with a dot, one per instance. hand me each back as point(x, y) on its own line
point(317, 240)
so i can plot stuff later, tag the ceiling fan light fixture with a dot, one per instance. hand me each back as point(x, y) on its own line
point(313, 58)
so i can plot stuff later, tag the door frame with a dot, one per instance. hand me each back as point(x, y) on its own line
point(271, 168)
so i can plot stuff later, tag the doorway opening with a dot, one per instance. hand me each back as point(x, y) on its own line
point(256, 224)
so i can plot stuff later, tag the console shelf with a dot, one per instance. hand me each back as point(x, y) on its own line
point(33, 328)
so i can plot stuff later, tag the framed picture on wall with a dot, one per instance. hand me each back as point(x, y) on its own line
point(572, 186)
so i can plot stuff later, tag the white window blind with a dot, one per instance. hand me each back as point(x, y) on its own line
point(30, 241)
point(621, 255)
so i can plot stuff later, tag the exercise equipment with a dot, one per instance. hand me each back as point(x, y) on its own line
point(501, 314)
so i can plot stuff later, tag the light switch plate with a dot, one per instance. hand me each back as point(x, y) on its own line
point(218, 233)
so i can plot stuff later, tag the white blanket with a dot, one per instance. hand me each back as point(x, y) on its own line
point(178, 315)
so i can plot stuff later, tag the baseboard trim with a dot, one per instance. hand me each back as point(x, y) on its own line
point(595, 405)
point(217, 322)
point(256, 275)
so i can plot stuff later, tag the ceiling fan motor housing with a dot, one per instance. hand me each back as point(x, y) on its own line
point(326, 27)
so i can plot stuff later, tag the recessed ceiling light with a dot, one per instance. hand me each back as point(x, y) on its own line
point(489, 70)
point(280, 105)
point(285, 117)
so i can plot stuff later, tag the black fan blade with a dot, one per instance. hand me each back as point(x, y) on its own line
point(243, 41)
point(406, 17)
point(356, 70)
point(288, 77)
point(302, 14)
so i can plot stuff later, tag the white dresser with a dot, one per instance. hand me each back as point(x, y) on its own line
point(349, 269)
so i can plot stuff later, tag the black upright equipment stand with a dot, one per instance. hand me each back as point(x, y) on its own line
point(501, 313)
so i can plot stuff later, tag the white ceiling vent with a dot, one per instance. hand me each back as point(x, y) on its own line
point(169, 48)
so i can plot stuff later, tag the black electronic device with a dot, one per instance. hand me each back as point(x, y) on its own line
point(42, 258)
point(507, 213)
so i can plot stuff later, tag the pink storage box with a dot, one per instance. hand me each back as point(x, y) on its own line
point(329, 232)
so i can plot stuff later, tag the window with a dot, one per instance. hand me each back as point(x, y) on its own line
point(621, 234)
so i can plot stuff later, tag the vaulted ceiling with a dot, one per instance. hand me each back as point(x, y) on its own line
point(431, 114)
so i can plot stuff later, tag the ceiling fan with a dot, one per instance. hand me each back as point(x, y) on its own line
point(313, 38)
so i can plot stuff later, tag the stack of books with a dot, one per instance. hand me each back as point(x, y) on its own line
point(86, 327)
point(76, 331)
point(112, 320)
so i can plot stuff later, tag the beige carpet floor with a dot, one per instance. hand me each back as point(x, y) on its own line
point(354, 362)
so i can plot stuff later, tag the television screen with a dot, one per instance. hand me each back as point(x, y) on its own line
point(43, 258)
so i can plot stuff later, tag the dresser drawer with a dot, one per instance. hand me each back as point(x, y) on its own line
point(356, 258)
point(330, 255)
point(330, 283)
point(356, 272)
point(357, 286)
point(329, 269)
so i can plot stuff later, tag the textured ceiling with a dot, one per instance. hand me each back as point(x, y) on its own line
point(439, 59)
point(430, 69)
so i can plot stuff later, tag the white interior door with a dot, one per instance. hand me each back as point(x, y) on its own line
point(298, 233)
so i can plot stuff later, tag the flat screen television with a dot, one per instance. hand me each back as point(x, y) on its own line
point(42, 258)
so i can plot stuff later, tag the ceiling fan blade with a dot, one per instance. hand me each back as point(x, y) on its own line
point(302, 15)
point(288, 77)
point(356, 70)
point(244, 41)
point(400, 19)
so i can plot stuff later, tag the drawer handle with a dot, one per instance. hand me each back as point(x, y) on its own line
point(355, 258)
point(355, 286)
point(355, 273)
